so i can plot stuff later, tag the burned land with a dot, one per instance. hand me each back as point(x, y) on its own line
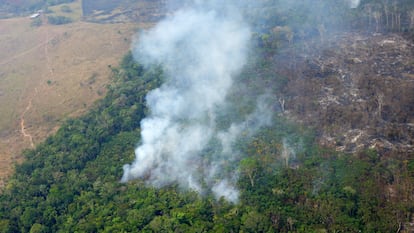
point(357, 90)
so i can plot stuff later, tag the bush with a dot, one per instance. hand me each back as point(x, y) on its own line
point(37, 22)
point(58, 20)
point(66, 9)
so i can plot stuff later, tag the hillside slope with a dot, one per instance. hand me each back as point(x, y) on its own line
point(336, 155)
point(49, 73)
point(70, 183)
point(106, 11)
point(356, 89)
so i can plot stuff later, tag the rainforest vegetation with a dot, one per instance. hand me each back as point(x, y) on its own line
point(71, 181)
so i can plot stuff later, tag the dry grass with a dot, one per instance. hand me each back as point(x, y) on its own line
point(49, 73)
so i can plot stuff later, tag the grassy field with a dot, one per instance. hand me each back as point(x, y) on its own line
point(49, 73)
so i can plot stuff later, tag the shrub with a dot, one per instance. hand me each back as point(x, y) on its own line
point(66, 9)
point(58, 20)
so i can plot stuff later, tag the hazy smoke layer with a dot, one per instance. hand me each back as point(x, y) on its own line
point(201, 50)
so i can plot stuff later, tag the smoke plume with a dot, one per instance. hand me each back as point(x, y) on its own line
point(354, 3)
point(201, 49)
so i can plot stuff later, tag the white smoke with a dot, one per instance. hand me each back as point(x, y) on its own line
point(354, 3)
point(222, 189)
point(201, 50)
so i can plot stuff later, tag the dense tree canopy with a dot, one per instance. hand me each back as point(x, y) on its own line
point(70, 183)
point(287, 183)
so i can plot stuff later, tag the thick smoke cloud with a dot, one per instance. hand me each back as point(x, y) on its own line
point(201, 50)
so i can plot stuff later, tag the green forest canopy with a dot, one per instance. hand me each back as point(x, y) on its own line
point(70, 183)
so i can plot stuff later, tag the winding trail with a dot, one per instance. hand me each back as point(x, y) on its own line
point(23, 127)
point(50, 74)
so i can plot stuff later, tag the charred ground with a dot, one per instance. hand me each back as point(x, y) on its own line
point(356, 90)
